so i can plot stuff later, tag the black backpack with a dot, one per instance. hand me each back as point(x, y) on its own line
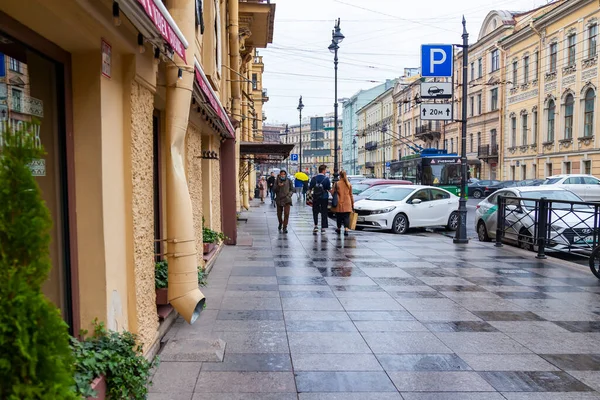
point(318, 191)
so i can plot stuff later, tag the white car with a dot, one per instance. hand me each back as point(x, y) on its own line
point(585, 186)
point(570, 227)
point(401, 207)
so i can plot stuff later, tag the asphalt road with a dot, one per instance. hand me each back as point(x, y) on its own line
point(472, 235)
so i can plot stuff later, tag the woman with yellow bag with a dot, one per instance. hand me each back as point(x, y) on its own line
point(343, 202)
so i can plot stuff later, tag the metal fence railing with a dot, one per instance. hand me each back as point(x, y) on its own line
point(545, 225)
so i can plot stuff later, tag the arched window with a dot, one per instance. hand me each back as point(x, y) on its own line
point(569, 102)
point(588, 127)
point(551, 111)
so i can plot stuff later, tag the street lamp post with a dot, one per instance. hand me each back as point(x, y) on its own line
point(461, 232)
point(354, 156)
point(383, 133)
point(300, 107)
point(336, 39)
point(287, 130)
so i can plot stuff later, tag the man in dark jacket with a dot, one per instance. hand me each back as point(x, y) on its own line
point(320, 186)
point(284, 189)
point(271, 187)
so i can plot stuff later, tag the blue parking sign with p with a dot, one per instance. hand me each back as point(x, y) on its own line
point(437, 60)
point(294, 157)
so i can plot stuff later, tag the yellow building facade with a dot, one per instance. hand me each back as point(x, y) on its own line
point(139, 112)
point(377, 137)
point(551, 121)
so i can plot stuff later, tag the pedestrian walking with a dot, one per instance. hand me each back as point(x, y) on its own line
point(304, 189)
point(284, 190)
point(345, 202)
point(271, 183)
point(298, 184)
point(262, 187)
point(320, 186)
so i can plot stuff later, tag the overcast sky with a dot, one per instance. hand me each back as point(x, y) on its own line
point(382, 38)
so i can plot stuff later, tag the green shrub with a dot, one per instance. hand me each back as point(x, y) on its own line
point(161, 275)
point(118, 357)
point(35, 358)
point(210, 236)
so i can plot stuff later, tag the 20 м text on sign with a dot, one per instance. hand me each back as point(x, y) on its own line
point(436, 60)
point(436, 112)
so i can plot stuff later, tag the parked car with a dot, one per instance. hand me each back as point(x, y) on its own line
point(585, 186)
point(367, 183)
point(367, 193)
point(356, 178)
point(500, 185)
point(401, 207)
point(477, 188)
point(530, 182)
point(568, 227)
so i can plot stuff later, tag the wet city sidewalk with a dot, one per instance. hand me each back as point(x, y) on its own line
point(387, 317)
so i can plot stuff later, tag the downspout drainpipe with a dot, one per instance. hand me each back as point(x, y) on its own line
point(183, 292)
point(234, 60)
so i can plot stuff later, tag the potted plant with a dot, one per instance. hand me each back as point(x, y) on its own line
point(161, 282)
point(110, 364)
point(211, 238)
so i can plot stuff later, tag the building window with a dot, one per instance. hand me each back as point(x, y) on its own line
point(254, 82)
point(569, 102)
point(592, 40)
point(553, 55)
point(479, 68)
point(536, 67)
point(571, 42)
point(472, 105)
point(524, 129)
point(526, 69)
point(495, 60)
point(535, 126)
point(588, 120)
point(549, 170)
point(512, 172)
point(471, 141)
point(551, 111)
point(17, 100)
point(587, 167)
point(479, 104)
point(445, 144)
point(493, 139)
point(567, 165)
point(478, 139)
point(14, 65)
point(523, 171)
point(451, 145)
point(472, 71)
point(513, 131)
point(494, 102)
point(515, 73)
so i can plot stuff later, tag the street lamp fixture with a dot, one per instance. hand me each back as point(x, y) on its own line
point(336, 38)
point(300, 107)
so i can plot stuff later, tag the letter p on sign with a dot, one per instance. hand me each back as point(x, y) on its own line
point(437, 60)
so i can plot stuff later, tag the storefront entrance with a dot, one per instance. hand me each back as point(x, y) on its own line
point(32, 97)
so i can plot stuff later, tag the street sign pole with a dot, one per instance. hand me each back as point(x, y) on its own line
point(461, 232)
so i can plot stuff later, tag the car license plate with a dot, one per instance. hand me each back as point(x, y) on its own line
point(360, 219)
point(584, 239)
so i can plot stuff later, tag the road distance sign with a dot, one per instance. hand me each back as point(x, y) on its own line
point(436, 112)
point(436, 90)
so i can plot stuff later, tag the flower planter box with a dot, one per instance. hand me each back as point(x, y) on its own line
point(162, 297)
point(208, 247)
point(99, 385)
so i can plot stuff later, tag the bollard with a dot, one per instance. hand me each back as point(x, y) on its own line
point(500, 220)
point(542, 231)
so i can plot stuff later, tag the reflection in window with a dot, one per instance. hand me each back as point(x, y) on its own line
point(551, 110)
point(588, 124)
point(569, 102)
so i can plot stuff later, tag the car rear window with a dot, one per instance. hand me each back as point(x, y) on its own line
point(550, 181)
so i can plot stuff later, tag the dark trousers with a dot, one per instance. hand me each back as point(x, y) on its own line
point(283, 214)
point(342, 219)
point(320, 207)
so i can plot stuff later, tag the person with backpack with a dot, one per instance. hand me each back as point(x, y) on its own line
point(284, 190)
point(345, 202)
point(320, 186)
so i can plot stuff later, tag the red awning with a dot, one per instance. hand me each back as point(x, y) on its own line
point(213, 100)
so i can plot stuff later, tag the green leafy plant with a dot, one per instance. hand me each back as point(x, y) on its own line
point(35, 358)
point(117, 356)
point(210, 236)
point(161, 274)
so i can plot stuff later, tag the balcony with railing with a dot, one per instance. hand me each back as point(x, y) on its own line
point(28, 105)
point(487, 151)
point(370, 146)
point(429, 131)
